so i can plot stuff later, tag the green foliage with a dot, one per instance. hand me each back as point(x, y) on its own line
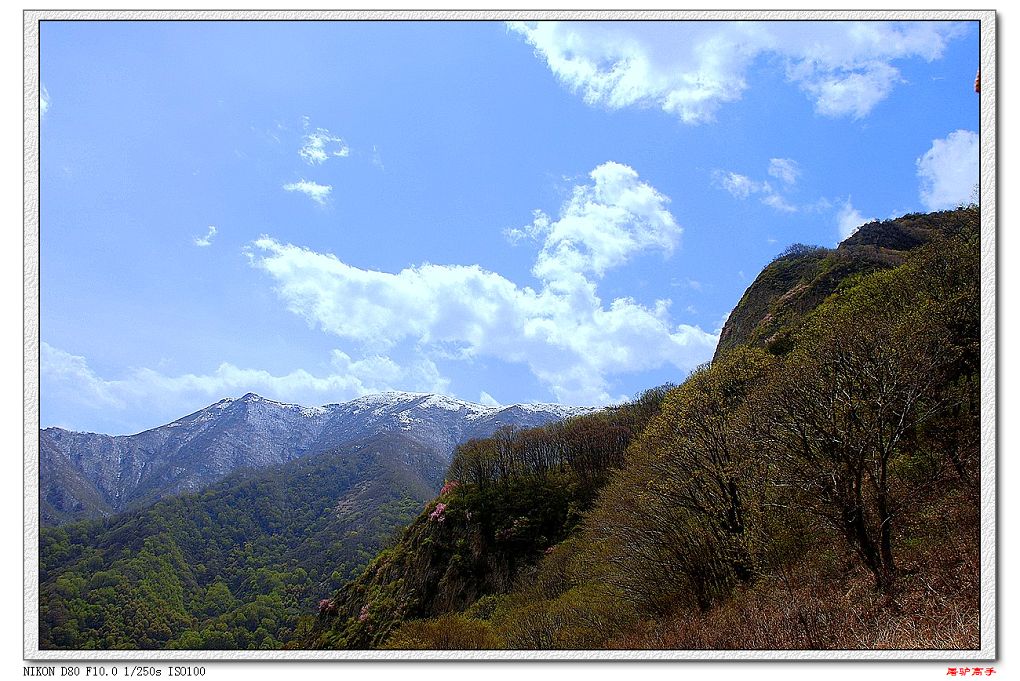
point(683, 520)
point(519, 493)
point(449, 632)
point(584, 617)
point(802, 277)
point(232, 567)
point(821, 444)
point(854, 416)
point(873, 404)
point(564, 603)
point(834, 436)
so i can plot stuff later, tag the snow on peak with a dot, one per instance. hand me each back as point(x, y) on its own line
point(385, 399)
point(560, 410)
point(396, 398)
point(398, 401)
point(453, 404)
point(251, 398)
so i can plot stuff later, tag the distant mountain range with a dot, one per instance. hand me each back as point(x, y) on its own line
point(89, 475)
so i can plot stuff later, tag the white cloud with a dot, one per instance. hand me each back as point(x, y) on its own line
point(741, 186)
point(313, 190)
point(849, 219)
point(320, 145)
point(488, 400)
point(44, 101)
point(688, 70)
point(778, 202)
point(570, 340)
point(691, 69)
point(822, 205)
point(602, 225)
point(207, 239)
point(949, 171)
point(785, 169)
point(851, 94)
point(71, 377)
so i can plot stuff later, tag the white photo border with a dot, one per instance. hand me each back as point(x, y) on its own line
point(989, 450)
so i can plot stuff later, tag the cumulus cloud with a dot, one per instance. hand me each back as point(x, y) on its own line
point(849, 220)
point(71, 377)
point(320, 145)
point(949, 171)
point(207, 239)
point(851, 94)
point(602, 225)
point(44, 101)
point(313, 190)
point(691, 69)
point(567, 336)
point(687, 70)
point(348, 379)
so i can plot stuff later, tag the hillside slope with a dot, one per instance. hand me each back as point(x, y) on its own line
point(800, 278)
point(210, 570)
point(509, 499)
point(799, 492)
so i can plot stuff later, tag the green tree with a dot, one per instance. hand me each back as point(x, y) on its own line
point(867, 372)
point(683, 520)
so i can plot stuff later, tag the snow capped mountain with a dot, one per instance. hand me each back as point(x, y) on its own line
point(86, 475)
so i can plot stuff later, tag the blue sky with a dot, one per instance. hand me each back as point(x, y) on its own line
point(504, 213)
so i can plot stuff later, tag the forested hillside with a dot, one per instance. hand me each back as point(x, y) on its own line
point(509, 501)
point(815, 486)
point(233, 566)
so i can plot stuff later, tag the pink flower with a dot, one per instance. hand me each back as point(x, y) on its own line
point(437, 514)
point(326, 605)
point(449, 487)
point(364, 613)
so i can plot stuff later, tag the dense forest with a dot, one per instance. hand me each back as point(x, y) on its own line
point(234, 566)
point(816, 485)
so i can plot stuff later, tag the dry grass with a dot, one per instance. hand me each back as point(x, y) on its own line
point(823, 601)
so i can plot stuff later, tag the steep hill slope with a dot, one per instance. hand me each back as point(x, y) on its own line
point(799, 492)
point(800, 278)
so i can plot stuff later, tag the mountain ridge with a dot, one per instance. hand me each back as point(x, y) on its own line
point(802, 277)
point(89, 475)
point(552, 407)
